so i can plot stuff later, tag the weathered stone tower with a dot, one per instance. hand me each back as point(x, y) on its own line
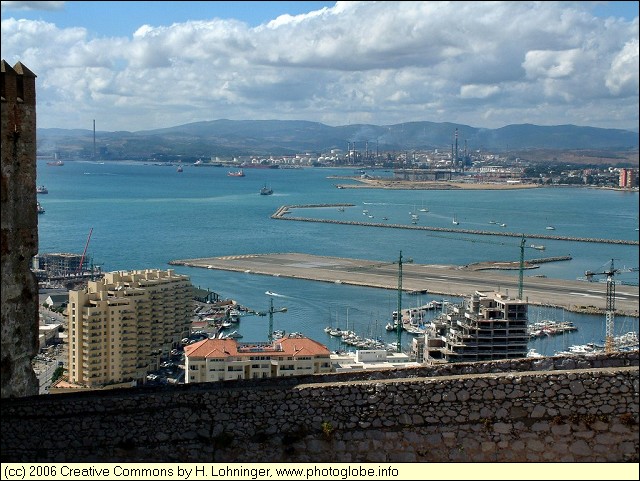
point(19, 241)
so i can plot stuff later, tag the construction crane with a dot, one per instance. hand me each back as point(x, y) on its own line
point(521, 264)
point(398, 320)
point(399, 316)
point(610, 308)
point(271, 311)
point(84, 253)
point(521, 269)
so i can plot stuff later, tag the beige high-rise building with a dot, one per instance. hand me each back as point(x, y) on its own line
point(120, 326)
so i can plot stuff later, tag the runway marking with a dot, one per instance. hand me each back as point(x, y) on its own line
point(311, 265)
point(584, 295)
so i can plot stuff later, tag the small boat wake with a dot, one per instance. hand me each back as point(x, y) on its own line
point(271, 293)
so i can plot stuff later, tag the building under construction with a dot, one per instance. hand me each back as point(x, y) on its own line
point(64, 268)
point(485, 327)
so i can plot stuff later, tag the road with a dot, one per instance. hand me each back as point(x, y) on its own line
point(447, 280)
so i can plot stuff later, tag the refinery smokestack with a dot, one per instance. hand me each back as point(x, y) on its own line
point(456, 160)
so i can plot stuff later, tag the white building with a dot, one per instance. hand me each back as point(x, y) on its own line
point(212, 360)
point(370, 359)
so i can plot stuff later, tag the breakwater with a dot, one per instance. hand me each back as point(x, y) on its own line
point(282, 213)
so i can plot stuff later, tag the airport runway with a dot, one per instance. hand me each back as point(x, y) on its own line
point(580, 296)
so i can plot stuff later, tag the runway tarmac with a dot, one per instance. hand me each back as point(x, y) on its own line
point(579, 296)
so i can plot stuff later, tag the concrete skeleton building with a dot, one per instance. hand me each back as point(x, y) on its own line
point(212, 360)
point(121, 325)
point(486, 327)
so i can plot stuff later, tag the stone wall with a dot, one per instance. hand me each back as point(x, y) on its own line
point(530, 410)
point(19, 231)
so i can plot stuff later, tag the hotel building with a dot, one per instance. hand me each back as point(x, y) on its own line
point(213, 360)
point(121, 325)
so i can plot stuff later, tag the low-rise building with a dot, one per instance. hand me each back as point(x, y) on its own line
point(48, 334)
point(54, 301)
point(212, 360)
point(370, 359)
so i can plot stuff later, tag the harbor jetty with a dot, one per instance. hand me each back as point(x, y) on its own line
point(283, 213)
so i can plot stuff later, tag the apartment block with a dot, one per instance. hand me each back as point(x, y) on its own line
point(485, 327)
point(213, 360)
point(121, 325)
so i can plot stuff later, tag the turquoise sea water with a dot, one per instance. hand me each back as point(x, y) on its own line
point(144, 216)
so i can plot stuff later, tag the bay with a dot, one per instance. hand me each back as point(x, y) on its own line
point(142, 216)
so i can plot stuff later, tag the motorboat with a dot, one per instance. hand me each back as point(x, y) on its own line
point(266, 190)
point(41, 189)
point(236, 173)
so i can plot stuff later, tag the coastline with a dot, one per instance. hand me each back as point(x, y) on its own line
point(430, 185)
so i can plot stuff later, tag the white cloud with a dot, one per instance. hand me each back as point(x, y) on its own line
point(478, 91)
point(51, 6)
point(485, 64)
point(622, 78)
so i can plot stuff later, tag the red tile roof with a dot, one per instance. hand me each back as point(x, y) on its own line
point(222, 348)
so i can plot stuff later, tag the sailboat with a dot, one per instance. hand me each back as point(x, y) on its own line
point(423, 208)
point(414, 216)
point(455, 220)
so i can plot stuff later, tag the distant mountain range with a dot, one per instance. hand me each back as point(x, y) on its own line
point(224, 138)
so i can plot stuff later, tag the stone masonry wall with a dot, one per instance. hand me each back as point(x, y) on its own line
point(19, 231)
point(549, 410)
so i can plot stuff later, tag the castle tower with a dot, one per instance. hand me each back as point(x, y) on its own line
point(19, 231)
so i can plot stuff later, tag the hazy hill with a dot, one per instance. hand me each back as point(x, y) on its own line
point(225, 138)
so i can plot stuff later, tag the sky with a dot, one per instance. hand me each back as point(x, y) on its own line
point(146, 65)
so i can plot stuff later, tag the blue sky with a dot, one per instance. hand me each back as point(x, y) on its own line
point(124, 18)
point(146, 65)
